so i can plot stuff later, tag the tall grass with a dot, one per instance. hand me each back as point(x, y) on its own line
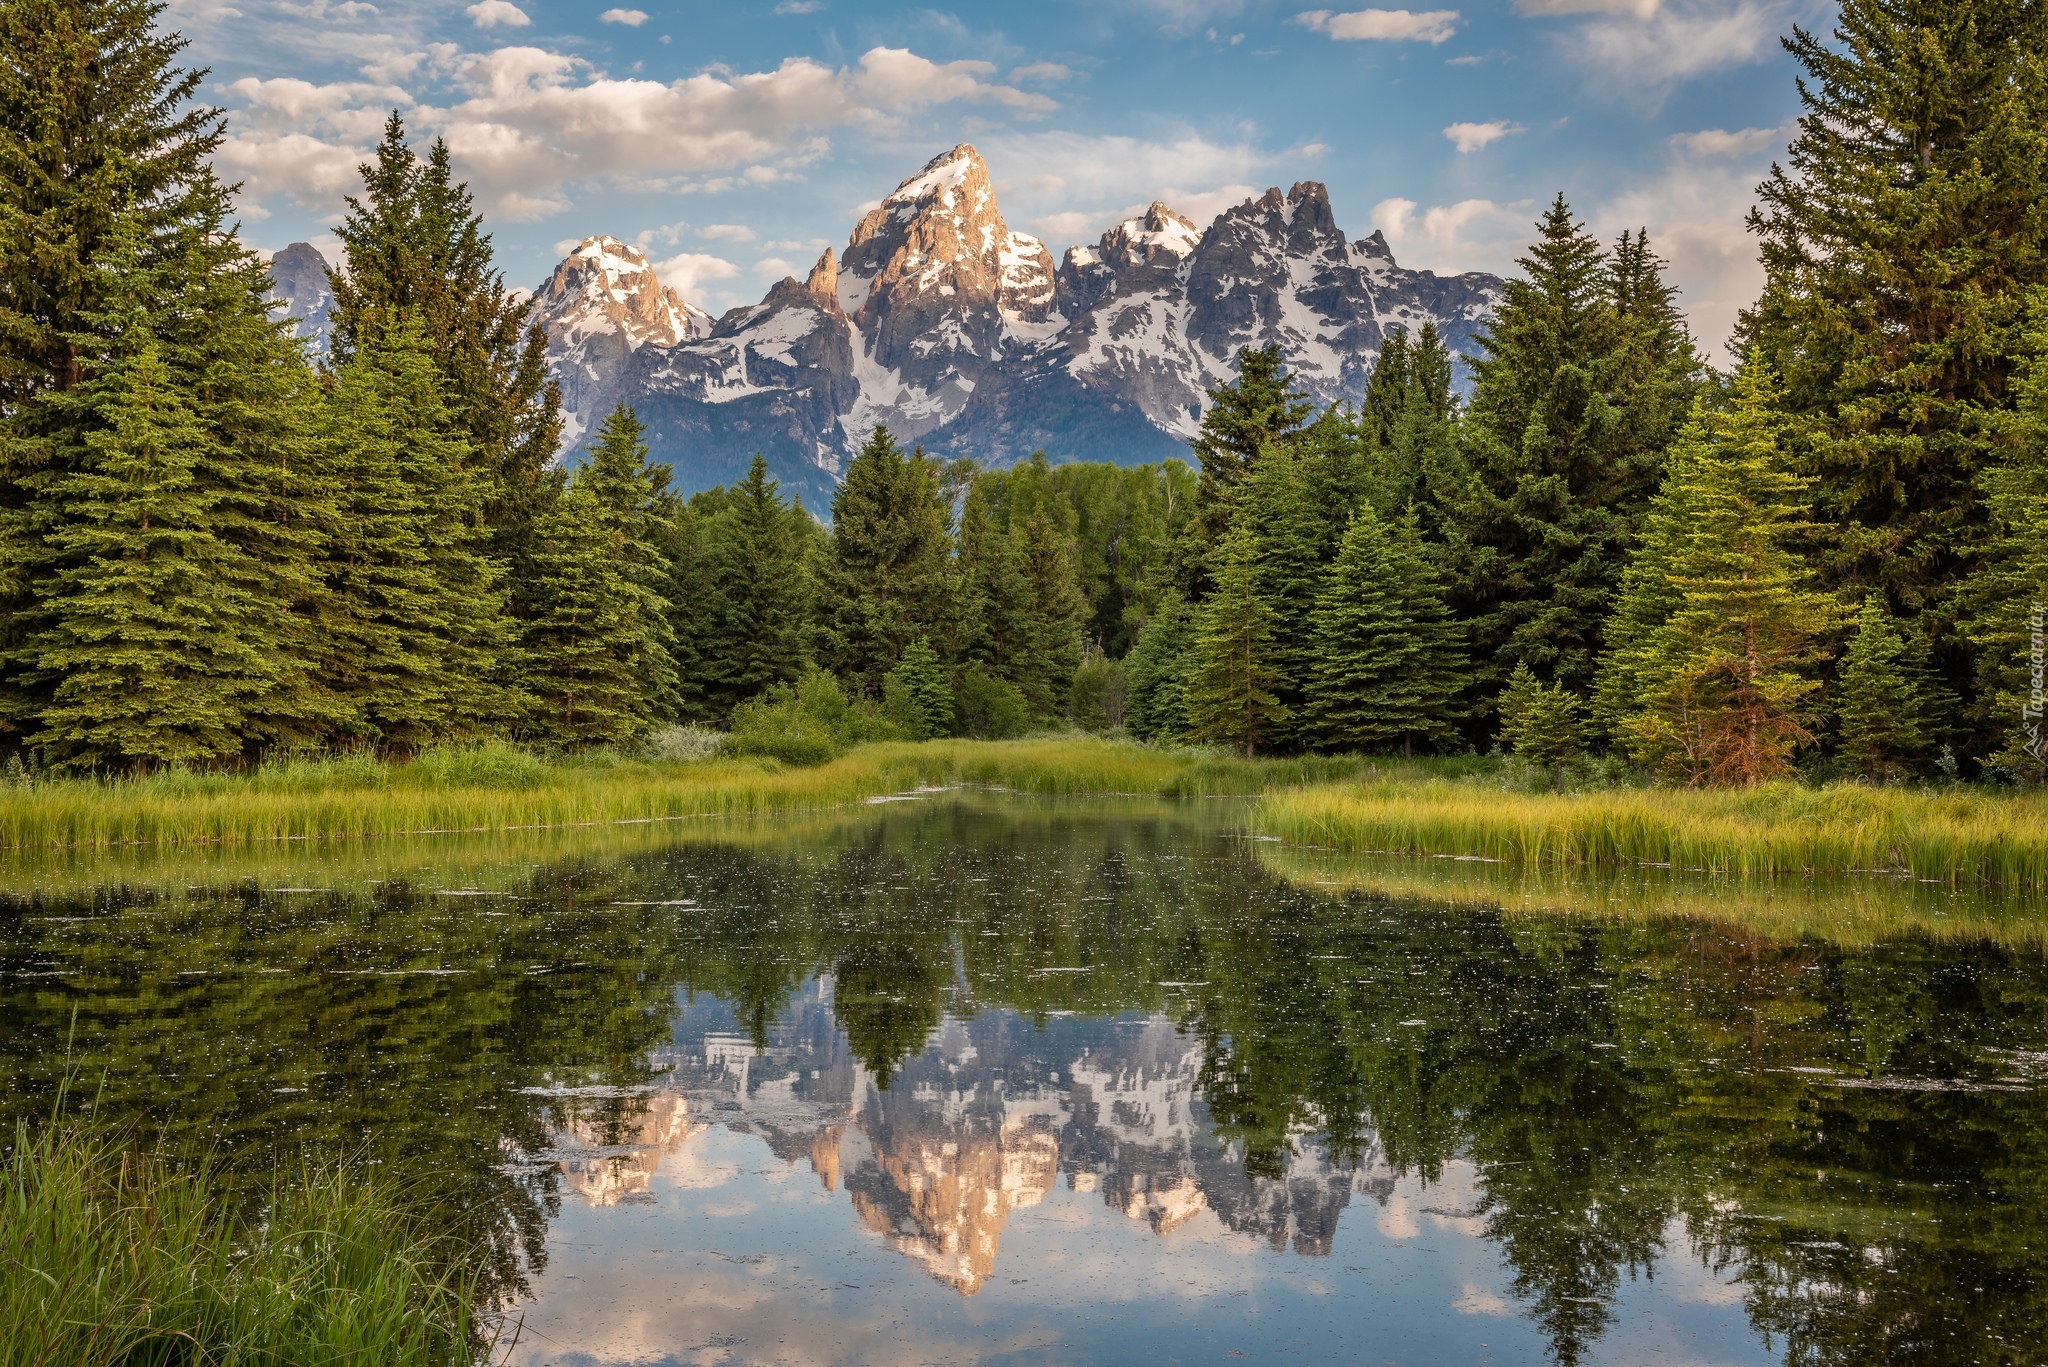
point(107, 1257)
point(1952, 837)
point(500, 788)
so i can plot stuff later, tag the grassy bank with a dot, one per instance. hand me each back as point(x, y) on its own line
point(109, 1257)
point(1954, 838)
point(501, 789)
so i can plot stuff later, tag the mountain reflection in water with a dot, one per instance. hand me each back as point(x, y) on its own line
point(999, 1043)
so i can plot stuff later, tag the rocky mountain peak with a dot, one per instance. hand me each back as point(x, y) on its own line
point(823, 282)
point(299, 285)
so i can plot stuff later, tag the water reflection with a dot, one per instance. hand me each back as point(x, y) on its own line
point(973, 1024)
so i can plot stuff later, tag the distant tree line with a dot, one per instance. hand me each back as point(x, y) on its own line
point(211, 549)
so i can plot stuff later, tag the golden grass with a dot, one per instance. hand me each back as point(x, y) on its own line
point(1952, 837)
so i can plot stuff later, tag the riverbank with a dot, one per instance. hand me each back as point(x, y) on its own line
point(500, 788)
point(1952, 837)
point(112, 1257)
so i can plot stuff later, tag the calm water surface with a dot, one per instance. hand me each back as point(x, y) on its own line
point(979, 1079)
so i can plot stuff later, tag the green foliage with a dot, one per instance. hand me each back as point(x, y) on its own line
point(757, 603)
point(1279, 513)
point(988, 708)
point(1232, 678)
point(1726, 621)
point(885, 580)
point(1878, 704)
point(1900, 240)
point(1099, 698)
point(1052, 614)
point(1587, 377)
point(1385, 665)
point(1261, 408)
point(593, 655)
point(1540, 722)
point(917, 696)
point(807, 722)
point(1156, 673)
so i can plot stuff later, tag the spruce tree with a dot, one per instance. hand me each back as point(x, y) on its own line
point(995, 599)
point(886, 579)
point(637, 509)
point(416, 640)
point(591, 644)
point(1156, 672)
point(1899, 243)
point(1287, 525)
point(1260, 408)
point(758, 590)
point(918, 695)
point(1722, 697)
point(1540, 723)
point(1053, 616)
point(1387, 666)
point(1877, 704)
point(152, 643)
point(1576, 399)
point(1232, 684)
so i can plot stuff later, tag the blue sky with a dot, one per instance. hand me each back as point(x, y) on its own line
point(736, 140)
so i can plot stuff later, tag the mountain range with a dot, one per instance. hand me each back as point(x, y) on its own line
point(956, 332)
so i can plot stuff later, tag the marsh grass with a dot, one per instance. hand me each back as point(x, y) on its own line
point(492, 788)
point(107, 1256)
point(1951, 837)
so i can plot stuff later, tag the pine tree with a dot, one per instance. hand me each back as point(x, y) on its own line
point(1577, 398)
point(1899, 244)
point(1231, 690)
point(417, 639)
point(758, 591)
point(591, 645)
point(995, 599)
point(1387, 666)
point(1053, 615)
point(1540, 723)
point(637, 510)
point(1260, 408)
point(151, 645)
point(918, 695)
point(1288, 525)
point(1722, 700)
point(1156, 672)
point(1877, 702)
point(885, 580)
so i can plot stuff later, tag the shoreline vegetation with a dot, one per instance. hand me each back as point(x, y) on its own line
point(1465, 807)
point(114, 1255)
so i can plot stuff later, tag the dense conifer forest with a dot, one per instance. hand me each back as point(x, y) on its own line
point(1830, 559)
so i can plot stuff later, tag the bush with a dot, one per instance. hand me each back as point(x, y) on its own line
point(988, 708)
point(916, 695)
point(491, 764)
point(1097, 700)
point(681, 744)
point(805, 723)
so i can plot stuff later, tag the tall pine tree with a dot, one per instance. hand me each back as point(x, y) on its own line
point(759, 592)
point(1877, 703)
point(1156, 672)
point(1260, 408)
point(887, 577)
point(593, 644)
point(1232, 689)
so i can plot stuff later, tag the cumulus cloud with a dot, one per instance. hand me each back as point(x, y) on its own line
point(1715, 142)
point(1473, 234)
point(497, 14)
point(800, 6)
point(773, 268)
point(1641, 9)
point(631, 18)
point(1382, 25)
point(525, 123)
point(1042, 73)
point(1671, 46)
point(688, 273)
point(1470, 137)
point(727, 232)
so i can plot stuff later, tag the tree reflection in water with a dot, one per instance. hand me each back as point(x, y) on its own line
point(945, 1008)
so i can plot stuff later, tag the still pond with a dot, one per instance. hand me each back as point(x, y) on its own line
point(978, 1078)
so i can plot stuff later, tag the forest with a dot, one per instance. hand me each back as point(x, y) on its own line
point(1603, 555)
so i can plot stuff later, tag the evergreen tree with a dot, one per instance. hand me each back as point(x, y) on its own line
point(1053, 615)
point(1899, 243)
point(1721, 697)
point(1231, 690)
point(2007, 594)
point(637, 510)
point(1387, 664)
point(995, 598)
point(1260, 408)
point(416, 639)
point(1287, 525)
point(1877, 702)
point(1156, 672)
point(885, 581)
point(917, 694)
point(758, 590)
point(152, 647)
point(1540, 723)
point(1577, 397)
point(590, 643)
point(415, 249)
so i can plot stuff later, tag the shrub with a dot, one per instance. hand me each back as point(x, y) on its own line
point(989, 708)
point(681, 744)
point(1097, 700)
point(805, 723)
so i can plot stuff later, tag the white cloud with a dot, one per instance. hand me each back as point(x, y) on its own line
point(631, 18)
point(497, 13)
point(688, 273)
point(727, 232)
point(1715, 142)
point(1470, 137)
point(1382, 25)
point(1042, 73)
point(1641, 9)
point(1672, 46)
point(800, 6)
point(1471, 235)
point(526, 124)
point(773, 268)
